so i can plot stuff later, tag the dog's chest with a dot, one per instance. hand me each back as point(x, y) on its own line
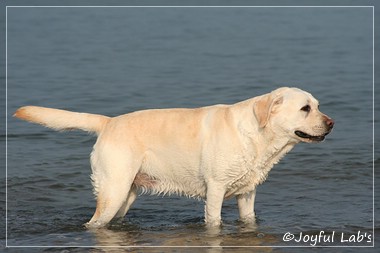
point(250, 175)
point(253, 169)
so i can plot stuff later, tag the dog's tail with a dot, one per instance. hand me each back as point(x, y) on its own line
point(61, 119)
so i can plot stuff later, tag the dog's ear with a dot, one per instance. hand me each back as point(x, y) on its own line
point(265, 106)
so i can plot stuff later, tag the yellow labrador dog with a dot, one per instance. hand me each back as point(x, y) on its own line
point(212, 152)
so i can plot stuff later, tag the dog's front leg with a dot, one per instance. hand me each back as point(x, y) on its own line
point(246, 203)
point(214, 201)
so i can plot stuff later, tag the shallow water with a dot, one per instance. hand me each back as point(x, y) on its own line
point(117, 60)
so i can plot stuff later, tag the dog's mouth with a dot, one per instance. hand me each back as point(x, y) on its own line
point(309, 137)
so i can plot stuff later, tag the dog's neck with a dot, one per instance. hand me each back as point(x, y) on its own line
point(257, 160)
point(274, 148)
point(270, 151)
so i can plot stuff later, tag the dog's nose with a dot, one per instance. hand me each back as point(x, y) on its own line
point(329, 122)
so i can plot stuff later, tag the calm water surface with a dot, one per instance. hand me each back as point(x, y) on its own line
point(117, 60)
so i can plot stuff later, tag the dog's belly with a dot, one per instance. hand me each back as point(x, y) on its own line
point(174, 173)
point(167, 186)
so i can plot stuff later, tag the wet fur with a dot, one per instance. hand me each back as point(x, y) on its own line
point(210, 153)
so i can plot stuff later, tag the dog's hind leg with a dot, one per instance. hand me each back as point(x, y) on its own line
point(128, 202)
point(113, 176)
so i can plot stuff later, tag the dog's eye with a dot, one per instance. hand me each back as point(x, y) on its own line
point(306, 108)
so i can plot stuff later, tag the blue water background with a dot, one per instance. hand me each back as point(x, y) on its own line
point(117, 60)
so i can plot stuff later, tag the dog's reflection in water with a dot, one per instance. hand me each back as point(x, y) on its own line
point(191, 238)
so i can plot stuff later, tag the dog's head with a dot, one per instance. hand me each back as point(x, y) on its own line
point(294, 113)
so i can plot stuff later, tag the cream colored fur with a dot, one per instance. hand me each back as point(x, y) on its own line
point(212, 153)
